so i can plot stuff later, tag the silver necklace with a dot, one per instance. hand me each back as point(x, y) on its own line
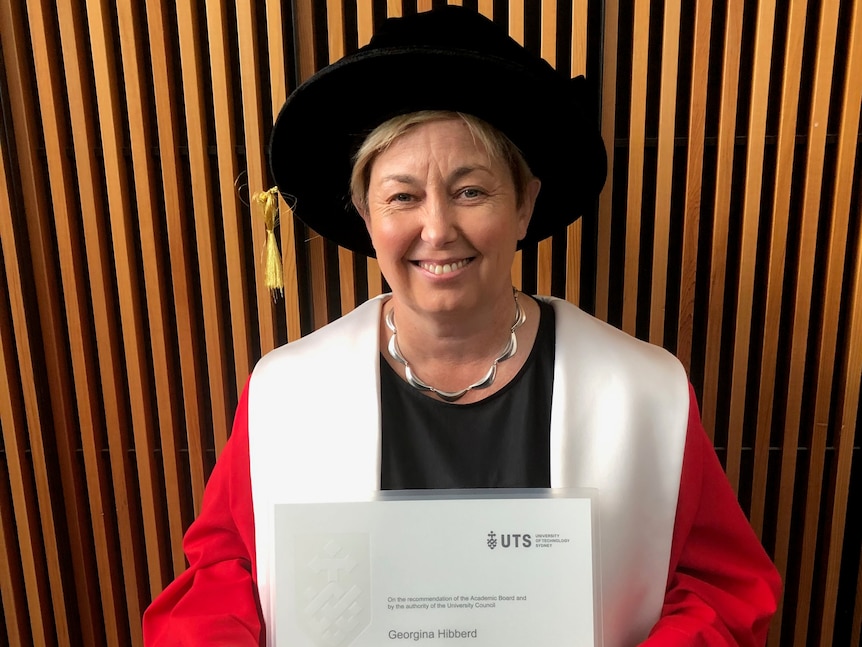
point(451, 396)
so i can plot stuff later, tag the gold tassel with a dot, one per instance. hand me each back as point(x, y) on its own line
point(273, 272)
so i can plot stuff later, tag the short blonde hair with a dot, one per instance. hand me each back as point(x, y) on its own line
point(496, 144)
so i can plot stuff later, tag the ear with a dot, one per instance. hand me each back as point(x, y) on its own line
point(525, 211)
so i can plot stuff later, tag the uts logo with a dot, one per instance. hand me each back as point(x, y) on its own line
point(521, 540)
point(516, 541)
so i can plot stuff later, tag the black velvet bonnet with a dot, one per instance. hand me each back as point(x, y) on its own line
point(446, 59)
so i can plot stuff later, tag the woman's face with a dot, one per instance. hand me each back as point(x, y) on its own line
point(444, 219)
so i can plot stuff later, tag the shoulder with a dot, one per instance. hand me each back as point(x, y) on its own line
point(589, 346)
point(573, 320)
point(355, 330)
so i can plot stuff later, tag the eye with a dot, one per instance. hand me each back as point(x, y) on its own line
point(402, 198)
point(471, 192)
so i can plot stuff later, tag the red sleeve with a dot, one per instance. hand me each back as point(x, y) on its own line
point(722, 587)
point(215, 601)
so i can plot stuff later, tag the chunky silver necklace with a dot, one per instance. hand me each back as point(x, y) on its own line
point(451, 396)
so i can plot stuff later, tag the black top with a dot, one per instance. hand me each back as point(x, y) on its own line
point(501, 441)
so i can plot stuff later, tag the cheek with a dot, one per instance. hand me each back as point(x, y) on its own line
point(390, 237)
point(500, 235)
point(385, 230)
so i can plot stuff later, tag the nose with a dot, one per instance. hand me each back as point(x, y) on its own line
point(439, 222)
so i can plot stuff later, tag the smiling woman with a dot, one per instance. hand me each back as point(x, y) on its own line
point(477, 385)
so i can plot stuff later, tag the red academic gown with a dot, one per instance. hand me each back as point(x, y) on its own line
point(722, 588)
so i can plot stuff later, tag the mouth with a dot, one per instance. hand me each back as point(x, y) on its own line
point(443, 268)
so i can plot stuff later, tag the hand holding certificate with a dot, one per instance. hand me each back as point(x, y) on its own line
point(489, 571)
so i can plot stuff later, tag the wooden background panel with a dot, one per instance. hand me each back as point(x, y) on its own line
point(839, 237)
point(250, 45)
point(40, 363)
point(134, 140)
point(181, 454)
point(635, 150)
point(198, 102)
point(720, 213)
point(165, 421)
point(220, 26)
point(608, 130)
point(664, 170)
point(795, 416)
point(14, 563)
point(278, 89)
point(83, 540)
point(838, 281)
point(116, 399)
point(749, 234)
point(26, 602)
point(781, 192)
point(696, 130)
point(113, 119)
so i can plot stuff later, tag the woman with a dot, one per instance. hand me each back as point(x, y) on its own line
point(463, 147)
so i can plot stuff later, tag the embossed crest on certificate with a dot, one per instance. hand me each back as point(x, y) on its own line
point(509, 568)
point(332, 586)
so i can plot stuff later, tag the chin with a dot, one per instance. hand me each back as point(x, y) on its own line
point(452, 302)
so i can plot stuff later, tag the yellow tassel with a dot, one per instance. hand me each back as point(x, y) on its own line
point(273, 272)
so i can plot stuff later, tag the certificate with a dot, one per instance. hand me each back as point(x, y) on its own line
point(509, 568)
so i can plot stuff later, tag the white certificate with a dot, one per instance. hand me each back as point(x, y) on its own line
point(506, 569)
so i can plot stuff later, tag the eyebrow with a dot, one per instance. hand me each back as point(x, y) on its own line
point(396, 177)
point(461, 171)
point(457, 174)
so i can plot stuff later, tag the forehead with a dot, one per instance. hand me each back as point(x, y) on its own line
point(442, 143)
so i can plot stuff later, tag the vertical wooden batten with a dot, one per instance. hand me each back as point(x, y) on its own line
point(838, 494)
point(166, 424)
point(14, 604)
point(802, 328)
point(850, 416)
point(219, 26)
point(548, 51)
point(721, 209)
point(336, 43)
point(178, 225)
point(637, 130)
point(26, 602)
point(574, 232)
point(664, 172)
point(365, 29)
point(811, 209)
point(250, 45)
point(85, 529)
point(19, 414)
point(202, 211)
point(610, 38)
point(57, 411)
point(693, 179)
point(278, 93)
point(119, 516)
point(760, 77)
point(785, 150)
point(124, 253)
point(306, 67)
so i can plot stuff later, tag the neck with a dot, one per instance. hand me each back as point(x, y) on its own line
point(458, 337)
point(450, 374)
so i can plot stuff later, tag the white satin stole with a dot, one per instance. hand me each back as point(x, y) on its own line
point(618, 424)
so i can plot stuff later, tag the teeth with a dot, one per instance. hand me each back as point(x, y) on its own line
point(434, 268)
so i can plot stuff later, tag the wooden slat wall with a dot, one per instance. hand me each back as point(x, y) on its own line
point(131, 307)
